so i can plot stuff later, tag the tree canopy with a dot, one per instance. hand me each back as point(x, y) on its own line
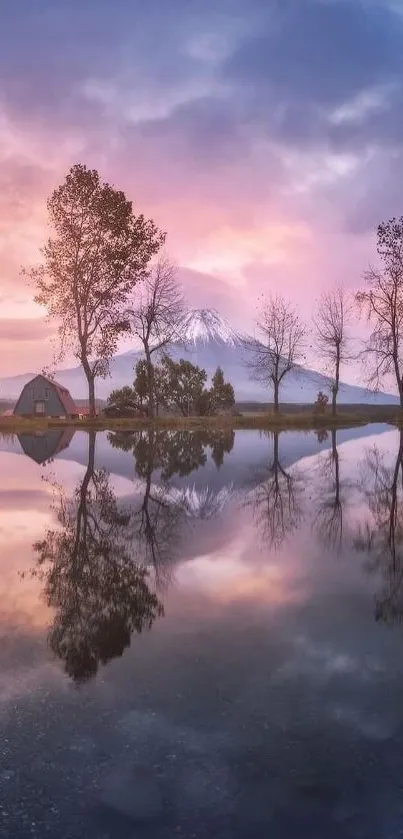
point(178, 387)
point(98, 251)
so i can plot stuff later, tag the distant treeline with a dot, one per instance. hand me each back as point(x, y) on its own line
point(298, 408)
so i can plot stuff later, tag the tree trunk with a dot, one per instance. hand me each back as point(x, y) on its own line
point(335, 457)
point(335, 388)
point(334, 444)
point(82, 507)
point(91, 386)
point(276, 389)
point(276, 457)
point(150, 381)
point(393, 504)
point(91, 396)
point(91, 452)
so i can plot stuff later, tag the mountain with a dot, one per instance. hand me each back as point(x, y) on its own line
point(210, 341)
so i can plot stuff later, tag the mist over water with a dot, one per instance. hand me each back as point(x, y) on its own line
point(201, 634)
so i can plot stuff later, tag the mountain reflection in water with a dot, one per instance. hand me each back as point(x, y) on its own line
point(224, 603)
point(105, 565)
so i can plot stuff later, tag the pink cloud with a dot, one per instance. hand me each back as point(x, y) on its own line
point(234, 227)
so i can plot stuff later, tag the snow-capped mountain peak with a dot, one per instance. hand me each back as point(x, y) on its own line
point(204, 325)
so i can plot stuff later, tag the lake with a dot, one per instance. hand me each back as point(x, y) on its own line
point(201, 635)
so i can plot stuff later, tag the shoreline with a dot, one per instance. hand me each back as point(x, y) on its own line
point(262, 421)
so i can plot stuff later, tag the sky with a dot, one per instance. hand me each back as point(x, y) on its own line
point(264, 136)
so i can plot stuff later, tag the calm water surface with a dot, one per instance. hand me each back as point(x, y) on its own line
point(201, 636)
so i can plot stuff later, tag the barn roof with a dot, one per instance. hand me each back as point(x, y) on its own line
point(64, 395)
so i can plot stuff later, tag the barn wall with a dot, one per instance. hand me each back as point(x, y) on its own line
point(36, 390)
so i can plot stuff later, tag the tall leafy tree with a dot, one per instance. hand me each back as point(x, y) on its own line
point(222, 397)
point(98, 252)
point(123, 400)
point(183, 385)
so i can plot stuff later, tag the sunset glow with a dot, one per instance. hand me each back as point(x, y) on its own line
point(260, 146)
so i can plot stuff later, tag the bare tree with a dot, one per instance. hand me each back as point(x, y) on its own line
point(99, 251)
point(332, 338)
point(280, 347)
point(382, 303)
point(157, 316)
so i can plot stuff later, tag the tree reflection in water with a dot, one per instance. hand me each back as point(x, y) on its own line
point(276, 499)
point(158, 519)
point(92, 579)
point(382, 534)
point(328, 521)
point(221, 443)
point(174, 452)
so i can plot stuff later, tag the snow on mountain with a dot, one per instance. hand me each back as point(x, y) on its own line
point(210, 342)
point(202, 504)
point(204, 325)
point(196, 503)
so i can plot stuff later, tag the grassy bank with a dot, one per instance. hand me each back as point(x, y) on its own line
point(304, 420)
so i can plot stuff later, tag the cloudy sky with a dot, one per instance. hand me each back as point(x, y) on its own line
point(265, 137)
